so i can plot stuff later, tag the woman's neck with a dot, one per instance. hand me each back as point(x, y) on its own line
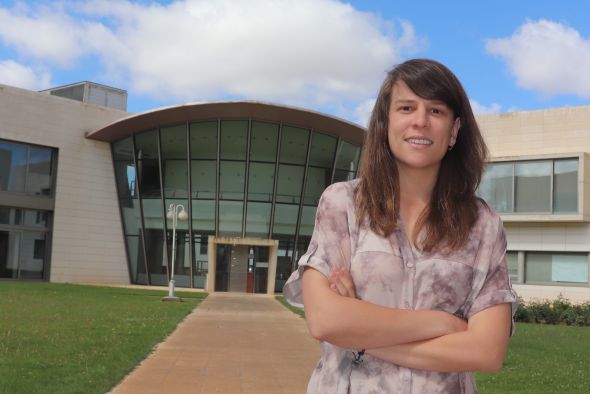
point(416, 186)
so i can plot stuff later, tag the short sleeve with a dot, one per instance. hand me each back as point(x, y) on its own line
point(492, 280)
point(330, 242)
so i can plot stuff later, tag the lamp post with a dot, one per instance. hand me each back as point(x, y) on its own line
point(175, 212)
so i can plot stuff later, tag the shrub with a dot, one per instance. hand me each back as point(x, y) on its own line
point(559, 311)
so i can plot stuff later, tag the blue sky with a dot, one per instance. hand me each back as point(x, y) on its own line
point(325, 55)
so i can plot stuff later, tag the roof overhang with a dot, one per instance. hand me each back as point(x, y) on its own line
point(254, 110)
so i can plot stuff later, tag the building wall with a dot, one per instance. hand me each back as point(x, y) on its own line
point(551, 133)
point(87, 243)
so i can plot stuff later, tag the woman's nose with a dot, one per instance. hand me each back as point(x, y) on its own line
point(421, 117)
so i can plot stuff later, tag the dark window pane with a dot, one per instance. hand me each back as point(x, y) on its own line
point(146, 145)
point(289, 184)
point(13, 167)
point(317, 180)
point(285, 219)
point(294, 145)
point(533, 186)
point(348, 157)
point(307, 220)
point(10, 215)
point(204, 140)
point(175, 178)
point(230, 218)
point(126, 179)
point(322, 150)
point(174, 164)
point(565, 185)
point(173, 141)
point(231, 179)
point(148, 171)
point(234, 139)
point(203, 215)
point(155, 255)
point(258, 221)
point(284, 261)
point(135, 255)
point(39, 177)
point(123, 150)
point(343, 176)
point(36, 218)
point(132, 216)
point(203, 178)
point(263, 146)
point(32, 258)
point(512, 262)
point(9, 253)
point(496, 186)
point(201, 264)
point(152, 213)
point(260, 181)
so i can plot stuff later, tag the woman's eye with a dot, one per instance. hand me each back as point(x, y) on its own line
point(437, 111)
point(405, 108)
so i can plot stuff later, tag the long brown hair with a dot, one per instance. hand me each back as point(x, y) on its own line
point(453, 208)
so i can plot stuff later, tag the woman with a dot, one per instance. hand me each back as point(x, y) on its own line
point(405, 281)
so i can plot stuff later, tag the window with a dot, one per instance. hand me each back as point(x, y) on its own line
point(26, 169)
point(512, 263)
point(533, 186)
point(539, 186)
point(556, 268)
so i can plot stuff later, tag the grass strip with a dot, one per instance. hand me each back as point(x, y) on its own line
point(292, 308)
point(63, 338)
point(542, 358)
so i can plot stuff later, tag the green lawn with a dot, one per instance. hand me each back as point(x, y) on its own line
point(59, 338)
point(541, 359)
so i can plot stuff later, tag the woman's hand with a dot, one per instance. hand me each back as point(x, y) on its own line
point(341, 282)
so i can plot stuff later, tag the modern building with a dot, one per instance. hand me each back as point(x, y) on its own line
point(87, 190)
point(539, 180)
point(248, 175)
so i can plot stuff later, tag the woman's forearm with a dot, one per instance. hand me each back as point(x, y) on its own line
point(481, 348)
point(352, 323)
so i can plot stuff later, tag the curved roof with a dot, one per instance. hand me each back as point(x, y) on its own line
point(230, 109)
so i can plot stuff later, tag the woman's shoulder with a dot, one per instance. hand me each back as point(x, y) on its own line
point(340, 190)
point(488, 219)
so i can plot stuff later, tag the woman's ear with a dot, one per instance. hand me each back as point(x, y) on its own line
point(455, 131)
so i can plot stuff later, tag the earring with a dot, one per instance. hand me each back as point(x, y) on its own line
point(450, 148)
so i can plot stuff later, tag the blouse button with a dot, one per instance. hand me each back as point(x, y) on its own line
point(410, 265)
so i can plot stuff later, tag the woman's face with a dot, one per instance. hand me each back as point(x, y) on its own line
point(420, 131)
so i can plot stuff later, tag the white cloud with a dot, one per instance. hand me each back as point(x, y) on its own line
point(50, 35)
point(14, 74)
point(305, 52)
point(547, 57)
point(362, 112)
point(480, 109)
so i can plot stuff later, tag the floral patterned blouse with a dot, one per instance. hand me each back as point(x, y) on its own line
point(389, 272)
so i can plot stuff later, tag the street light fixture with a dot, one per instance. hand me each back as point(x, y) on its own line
point(175, 212)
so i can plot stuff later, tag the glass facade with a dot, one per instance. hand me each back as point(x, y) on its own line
point(540, 186)
point(234, 177)
point(25, 236)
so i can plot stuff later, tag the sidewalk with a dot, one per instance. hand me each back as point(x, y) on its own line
point(232, 343)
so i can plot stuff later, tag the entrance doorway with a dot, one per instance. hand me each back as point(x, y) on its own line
point(242, 268)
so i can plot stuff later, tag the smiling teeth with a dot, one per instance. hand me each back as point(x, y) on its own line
point(419, 141)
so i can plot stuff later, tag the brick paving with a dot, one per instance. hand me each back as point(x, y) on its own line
point(232, 343)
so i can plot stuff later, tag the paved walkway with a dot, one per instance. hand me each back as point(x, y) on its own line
point(232, 343)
